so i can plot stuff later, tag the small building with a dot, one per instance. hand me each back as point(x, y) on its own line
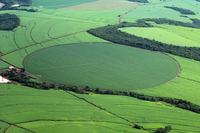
point(3, 80)
point(15, 5)
point(1, 5)
point(11, 67)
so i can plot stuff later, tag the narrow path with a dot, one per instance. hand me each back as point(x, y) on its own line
point(7, 128)
point(126, 14)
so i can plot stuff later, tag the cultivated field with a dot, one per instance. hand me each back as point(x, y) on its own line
point(103, 5)
point(59, 3)
point(95, 63)
point(175, 35)
point(30, 110)
point(150, 115)
point(54, 45)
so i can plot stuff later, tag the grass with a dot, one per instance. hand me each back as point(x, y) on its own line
point(167, 36)
point(96, 63)
point(150, 115)
point(48, 111)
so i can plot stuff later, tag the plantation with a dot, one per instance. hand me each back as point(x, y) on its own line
point(96, 83)
point(165, 36)
point(74, 65)
point(57, 109)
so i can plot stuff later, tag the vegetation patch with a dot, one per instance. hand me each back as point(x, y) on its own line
point(141, 1)
point(8, 21)
point(111, 33)
point(181, 10)
point(131, 67)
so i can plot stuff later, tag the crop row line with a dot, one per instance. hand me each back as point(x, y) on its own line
point(132, 123)
point(190, 79)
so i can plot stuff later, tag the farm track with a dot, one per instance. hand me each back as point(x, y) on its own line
point(126, 14)
point(15, 126)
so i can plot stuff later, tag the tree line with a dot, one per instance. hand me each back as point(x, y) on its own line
point(141, 1)
point(112, 34)
point(8, 21)
point(181, 10)
point(24, 80)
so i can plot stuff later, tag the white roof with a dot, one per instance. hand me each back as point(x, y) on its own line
point(2, 80)
point(1, 5)
point(16, 5)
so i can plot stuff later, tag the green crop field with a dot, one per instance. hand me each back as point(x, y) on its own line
point(186, 86)
point(59, 3)
point(147, 114)
point(29, 110)
point(53, 44)
point(96, 63)
point(101, 6)
point(165, 36)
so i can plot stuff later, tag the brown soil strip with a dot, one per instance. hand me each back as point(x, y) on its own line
point(126, 13)
point(7, 128)
point(31, 33)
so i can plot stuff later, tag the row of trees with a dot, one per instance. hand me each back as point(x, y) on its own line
point(111, 33)
point(181, 10)
point(25, 80)
point(8, 21)
point(141, 1)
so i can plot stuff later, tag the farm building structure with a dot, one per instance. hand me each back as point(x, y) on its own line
point(3, 80)
point(1, 5)
point(15, 5)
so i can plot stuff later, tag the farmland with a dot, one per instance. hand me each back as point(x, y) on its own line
point(54, 44)
point(67, 112)
point(167, 35)
point(74, 65)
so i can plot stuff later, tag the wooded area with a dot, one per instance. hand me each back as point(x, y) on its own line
point(8, 21)
point(111, 33)
point(141, 1)
point(181, 10)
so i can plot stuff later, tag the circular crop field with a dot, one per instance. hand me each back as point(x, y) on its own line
point(102, 65)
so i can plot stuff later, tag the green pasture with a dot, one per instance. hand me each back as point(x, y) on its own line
point(167, 36)
point(150, 115)
point(51, 4)
point(103, 65)
point(186, 86)
point(51, 111)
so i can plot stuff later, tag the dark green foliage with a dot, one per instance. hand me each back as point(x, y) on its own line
point(181, 10)
point(111, 33)
point(8, 21)
point(11, 2)
point(141, 1)
point(164, 130)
